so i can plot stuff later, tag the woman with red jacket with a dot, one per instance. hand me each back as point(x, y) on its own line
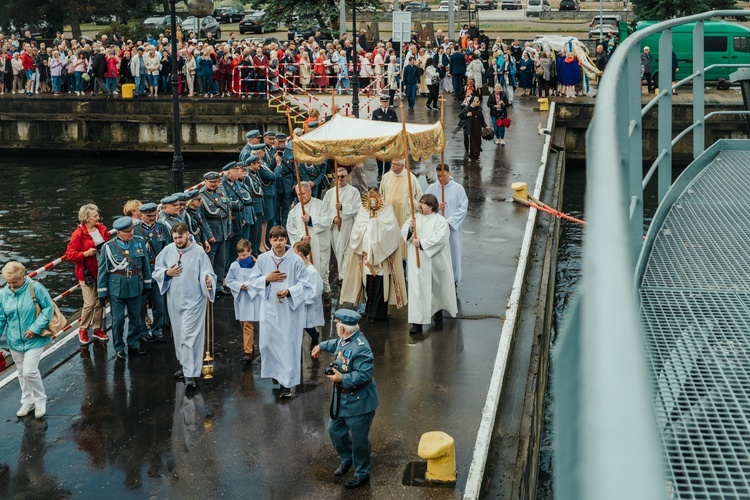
point(83, 249)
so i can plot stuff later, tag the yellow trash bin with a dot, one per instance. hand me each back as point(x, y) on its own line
point(127, 91)
point(543, 104)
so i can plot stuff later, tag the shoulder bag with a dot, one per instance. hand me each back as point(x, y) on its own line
point(58, 321)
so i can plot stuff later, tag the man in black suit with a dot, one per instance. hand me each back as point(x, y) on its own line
point(384, 114)
point(458, 72)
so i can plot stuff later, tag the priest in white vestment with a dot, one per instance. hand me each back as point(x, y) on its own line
point(454, 208)
point(279, 279)
point(344, 211)
point(318, 218)
point(395, 190)
point(374, 270)
point(430, 284)
point(185, 275)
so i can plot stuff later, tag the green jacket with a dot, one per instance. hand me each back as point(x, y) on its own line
point(18, 314)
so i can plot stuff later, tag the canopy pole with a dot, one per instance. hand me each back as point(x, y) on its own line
point(442, 153)
point(336, 181)
point(296, 170)
point(408, 173)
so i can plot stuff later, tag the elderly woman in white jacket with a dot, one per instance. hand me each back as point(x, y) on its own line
point(475, 70)
point(153, 65)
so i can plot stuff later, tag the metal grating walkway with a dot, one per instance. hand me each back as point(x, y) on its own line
point(695, 308)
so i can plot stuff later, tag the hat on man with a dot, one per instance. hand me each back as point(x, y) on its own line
point(147, 208)
point(252, 134)
point(269, 134)
point(181, 196)
point(169, 200)
point(229, 166)
point(258, 147)
point(193, 194)
point(140, 49)
point(646, 49)
point(384, 97)
point(212, 176)
point(241, 164)
point(280, 136)
point(252, 159)
point(348, 317)
point(124, 223)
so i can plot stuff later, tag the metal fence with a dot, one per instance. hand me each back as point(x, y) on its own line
point(606, 440)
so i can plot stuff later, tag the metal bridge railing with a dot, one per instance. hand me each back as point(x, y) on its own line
point(607, 445)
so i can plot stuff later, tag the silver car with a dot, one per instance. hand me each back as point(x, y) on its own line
point(511, 5)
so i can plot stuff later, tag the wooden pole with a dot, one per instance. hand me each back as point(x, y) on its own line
point(336, 181)
point(333, 100)
point(408, 172)
point(442, 153)
point(296, 169)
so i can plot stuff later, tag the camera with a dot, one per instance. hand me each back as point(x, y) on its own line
point(329, 369)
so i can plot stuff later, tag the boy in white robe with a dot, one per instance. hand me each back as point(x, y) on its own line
point(246, 307)
point(280, 280)
point(429, 284)
point(185, 275)
point(454, 209)
point(314, 303)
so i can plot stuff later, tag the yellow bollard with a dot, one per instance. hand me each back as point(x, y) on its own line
point(439, 449)
point(543, 104)
point(519, 189)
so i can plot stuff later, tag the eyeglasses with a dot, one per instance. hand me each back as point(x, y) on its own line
point(341, 176)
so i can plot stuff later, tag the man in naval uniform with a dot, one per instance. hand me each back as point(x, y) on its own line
point(236, 209)
point(269, 173)
point(156, 236)
point(355, 397)
point(384, 114)
point(248, 214)
point(195, 221)
point(255, 186)
point(182, 199)
point(124, 277)
point(269, 139)
point(285, 185)
point(170, 211)
point(252, 138)
point(217, 213)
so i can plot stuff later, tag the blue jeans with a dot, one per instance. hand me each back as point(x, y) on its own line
point(71, 83)
point(499, 131)
point(56, 83)
point(111, 84)
point(140, 85)
point(164, 83)
point(79, 81)
point(153, 81)
point(411, 94)
point(206, 80)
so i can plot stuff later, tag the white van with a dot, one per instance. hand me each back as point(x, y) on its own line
point(535, 7)
point(445, 5)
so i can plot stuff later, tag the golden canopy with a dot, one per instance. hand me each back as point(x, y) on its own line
point(350, 141)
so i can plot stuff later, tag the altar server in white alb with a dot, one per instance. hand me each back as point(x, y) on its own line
point(185, 275)
point(344, 211)
point(454, 209)
point(318, 218)
point(246, 304)
point(314, 304)
point(430, 289)
point(279, 279)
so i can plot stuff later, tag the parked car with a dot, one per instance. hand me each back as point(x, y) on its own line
point(604, 25)
point(569, 5)
point(306, 31)
point(160, 22)
point(485, 4)
point(39, 30)
point(207, 25)
point(445, 4)
point(256, 23)
point(416, 7)
point(511, 5)
point(536, 7)
point(228, 15)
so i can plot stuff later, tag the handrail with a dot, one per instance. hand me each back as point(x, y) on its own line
point(607, 444)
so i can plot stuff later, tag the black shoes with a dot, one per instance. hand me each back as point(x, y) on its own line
point(356, 482)
point(154, 338)
point(248, 357)
point(285, 392)
point(140, 351)
point(189, 383)
point(179, 375)
point(415, 329)
point(341, 470)
point(438, 317)
point(120, 355)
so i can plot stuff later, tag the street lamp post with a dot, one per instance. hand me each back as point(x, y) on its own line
point(355, 80)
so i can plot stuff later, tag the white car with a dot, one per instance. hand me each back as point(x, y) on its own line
point(536, 7)
point(444, 5)
point(511, 5)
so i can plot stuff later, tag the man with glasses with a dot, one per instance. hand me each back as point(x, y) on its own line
point(344, 203)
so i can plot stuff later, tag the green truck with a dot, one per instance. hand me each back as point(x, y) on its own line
point(724, 43)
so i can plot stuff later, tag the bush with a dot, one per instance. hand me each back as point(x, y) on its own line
point(134, 30)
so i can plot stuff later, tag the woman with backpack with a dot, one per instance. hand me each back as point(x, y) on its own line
point(23, 327)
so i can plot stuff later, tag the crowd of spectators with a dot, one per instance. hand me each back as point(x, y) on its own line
point(250, 67)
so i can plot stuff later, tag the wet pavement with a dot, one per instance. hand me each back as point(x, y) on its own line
point(127, 430)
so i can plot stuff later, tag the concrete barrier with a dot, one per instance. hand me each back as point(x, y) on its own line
point(584, 15)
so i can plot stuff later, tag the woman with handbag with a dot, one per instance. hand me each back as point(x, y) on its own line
point(474, 122)
point(83, 250)
point(498, 104)
point(23, 327)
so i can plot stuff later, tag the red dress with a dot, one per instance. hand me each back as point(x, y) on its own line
point(321, 80)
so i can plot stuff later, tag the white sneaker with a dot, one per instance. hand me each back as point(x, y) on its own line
point(14, 91)
point(41, 410)
point(24, 410)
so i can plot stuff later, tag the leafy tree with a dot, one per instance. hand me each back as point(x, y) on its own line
point(322, 13)
point(661, 10)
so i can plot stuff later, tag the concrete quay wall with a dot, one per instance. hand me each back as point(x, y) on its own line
point(120, 125)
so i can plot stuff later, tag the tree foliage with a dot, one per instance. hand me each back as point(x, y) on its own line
point(661, 10)
point(303, 13)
